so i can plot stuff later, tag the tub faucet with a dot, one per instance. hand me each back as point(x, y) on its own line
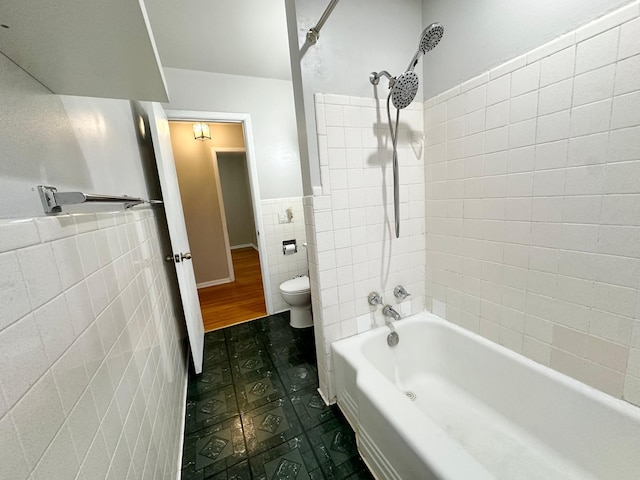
point(389, 311)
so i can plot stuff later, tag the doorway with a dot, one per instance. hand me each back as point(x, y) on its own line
point(222, 214)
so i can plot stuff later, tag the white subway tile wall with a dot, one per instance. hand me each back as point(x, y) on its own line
point(352, 247)
point(283, 267)
point(533, 211)
point(93, 366)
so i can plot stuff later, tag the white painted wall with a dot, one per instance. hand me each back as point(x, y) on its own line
point(359, 37)
point(483, 34)
point(75, 143)
point(270, 104)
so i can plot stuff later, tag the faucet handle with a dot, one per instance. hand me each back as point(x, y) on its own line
point(374, 299)
point(400, 293)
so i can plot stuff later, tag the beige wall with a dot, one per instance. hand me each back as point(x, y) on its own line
point(234, 180)
point(200, 201)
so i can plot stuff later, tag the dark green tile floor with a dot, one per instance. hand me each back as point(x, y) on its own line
point(255, 413)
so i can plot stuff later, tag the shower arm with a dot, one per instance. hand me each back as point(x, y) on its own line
point(374, 77)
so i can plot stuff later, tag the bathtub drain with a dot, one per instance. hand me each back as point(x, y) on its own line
point(411, 395)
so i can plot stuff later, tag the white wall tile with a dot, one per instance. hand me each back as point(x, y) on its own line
point(551, 155)
point(597, 51)
point(23, 358)
point(624, 145)
point(522, 134)
point(558, 66)
point(629, 39)
point(56, 330)
point(539, 231)
point(499, 90)
point(555, 97)
point(524, 107)
point(588, 150)
point(51, 383)
point(626, 110)
point(37, 418)
point(525, 79)
point(622, 178)
point(476, 99)
point(13, 291)
point(627, 75)
point(40, 273)
point(592, 118)
point(553, 127)
point(12, 462)
point(594, 85)
point(83, 423)
point(18, 233)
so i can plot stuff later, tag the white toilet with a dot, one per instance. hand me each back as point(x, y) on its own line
point(297, 293)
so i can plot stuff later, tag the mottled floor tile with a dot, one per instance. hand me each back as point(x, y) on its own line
point(270, 425)
point(214, 449)
point(310, 407)
point(298, 374)
point(254, 361)
point(212, 378)
point(278, 321)
point(238, 332)
point(240, 471)
point(258, 389)
point(290, 460)
point(255, 413)
point(211, 408)
point(334, 444)
point(215, 353)
point(281, 354)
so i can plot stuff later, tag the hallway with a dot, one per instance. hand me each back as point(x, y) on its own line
point(238, 301)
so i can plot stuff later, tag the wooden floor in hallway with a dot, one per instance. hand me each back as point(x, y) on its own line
point(238, 301)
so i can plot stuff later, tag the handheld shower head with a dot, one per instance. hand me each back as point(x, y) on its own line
point(430, 37)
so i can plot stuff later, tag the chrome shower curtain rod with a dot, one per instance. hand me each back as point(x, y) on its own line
point(314, 33)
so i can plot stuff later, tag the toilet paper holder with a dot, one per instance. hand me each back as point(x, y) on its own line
point(286, 247)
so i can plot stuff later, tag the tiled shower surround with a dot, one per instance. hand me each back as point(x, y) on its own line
point(283, 267)
point(533, 204)
point(532, 188)
point(93, 367)
point(351, 249)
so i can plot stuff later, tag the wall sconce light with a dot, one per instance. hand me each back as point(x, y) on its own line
point(201, 131)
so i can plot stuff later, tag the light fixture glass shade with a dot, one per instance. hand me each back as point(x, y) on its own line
point(201, 131)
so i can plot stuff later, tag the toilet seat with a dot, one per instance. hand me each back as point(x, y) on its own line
point(296, 285)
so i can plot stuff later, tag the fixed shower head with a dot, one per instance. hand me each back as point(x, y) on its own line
point(428, 40)
point(404, 89)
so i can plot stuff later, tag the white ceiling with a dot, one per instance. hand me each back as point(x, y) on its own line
point(237, 37)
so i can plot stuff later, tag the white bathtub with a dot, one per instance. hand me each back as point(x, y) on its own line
point(480, 412)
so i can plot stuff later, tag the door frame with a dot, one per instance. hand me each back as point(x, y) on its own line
point(245, 120)
point(223, 215)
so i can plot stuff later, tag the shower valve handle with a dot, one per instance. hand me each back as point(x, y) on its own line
point(374, 299)
point(400, 293)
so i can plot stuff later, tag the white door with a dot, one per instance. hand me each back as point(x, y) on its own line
point(177, 231)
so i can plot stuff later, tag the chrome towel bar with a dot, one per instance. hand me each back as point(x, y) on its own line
point(53, 201)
